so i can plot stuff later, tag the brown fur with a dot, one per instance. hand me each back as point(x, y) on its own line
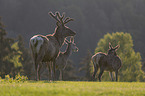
point(61, 60)
point(109, 62)
point(50, 48)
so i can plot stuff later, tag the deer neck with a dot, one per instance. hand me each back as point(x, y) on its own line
point(68, 51)
point(60, 38)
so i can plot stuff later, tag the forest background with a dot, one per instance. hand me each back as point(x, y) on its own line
point(93, 19)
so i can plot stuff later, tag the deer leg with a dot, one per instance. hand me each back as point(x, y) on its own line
point(38, 60)
point(116, 75)
point(38, 70)
point(53, 65)
point(49, 70)
point(100, 74)
point(43, 65)
point(36, 66)
point(36, 63)
point(49, 66)
point(111, 75)
point(95, 71)
point(60, 75)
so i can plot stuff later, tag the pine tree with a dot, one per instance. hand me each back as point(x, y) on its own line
point(5, 50)
point(85, 66)
point(25, 58)
point(14, 57)
point(143, 66)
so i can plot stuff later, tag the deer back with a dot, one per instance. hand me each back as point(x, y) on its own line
point(52, 49)
point(96, 58)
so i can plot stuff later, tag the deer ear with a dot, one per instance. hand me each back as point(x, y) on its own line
point(116, 48)
point(110, 46)
point(72, 39)
point(66, 41)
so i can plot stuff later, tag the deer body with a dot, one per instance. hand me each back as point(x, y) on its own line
point(39, 43)
point(46, 48)
point(61, 60)
point(95, 58)
point(111, 63)
point(108, 62)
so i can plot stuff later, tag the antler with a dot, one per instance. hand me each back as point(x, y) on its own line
point(54, 16)
point(116, 48)
point(110, 46)
point(68, 20)
point(59, 18)
point(66, 41)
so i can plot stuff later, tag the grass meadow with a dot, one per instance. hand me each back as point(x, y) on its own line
point(72, 88)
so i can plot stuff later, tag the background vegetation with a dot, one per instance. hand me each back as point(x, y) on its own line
point(94, 20)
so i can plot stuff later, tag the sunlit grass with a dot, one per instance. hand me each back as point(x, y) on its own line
point(70, 88)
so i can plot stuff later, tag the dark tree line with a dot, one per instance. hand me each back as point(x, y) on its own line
point(93, 19)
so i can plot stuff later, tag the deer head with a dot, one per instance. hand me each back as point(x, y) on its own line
point(72, 44)
point(112, 51)
point(61, 29)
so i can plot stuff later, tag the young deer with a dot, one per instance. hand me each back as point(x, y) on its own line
point(107, 62)
point(61, 60)
point(46, 48)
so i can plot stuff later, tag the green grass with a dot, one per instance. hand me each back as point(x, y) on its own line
point(70, 88)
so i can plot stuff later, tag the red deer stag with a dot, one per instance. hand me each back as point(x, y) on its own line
point(107, 62)
point(46, 48)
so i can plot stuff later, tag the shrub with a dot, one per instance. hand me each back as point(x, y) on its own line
point(18, 78)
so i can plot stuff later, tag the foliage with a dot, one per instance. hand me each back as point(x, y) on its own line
point(85, 67)
point(67, 88)
point(5, 50)
point(14, 57)
point(8, 79)
point(93, 19)
point(143, 66)
point(25, 57)
point(18, 78)
point(131, 60)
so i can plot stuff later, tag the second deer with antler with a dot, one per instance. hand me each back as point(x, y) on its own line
point(107, 62)
point(46, 48)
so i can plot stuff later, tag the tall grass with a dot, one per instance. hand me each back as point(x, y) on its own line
point(70, 88)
